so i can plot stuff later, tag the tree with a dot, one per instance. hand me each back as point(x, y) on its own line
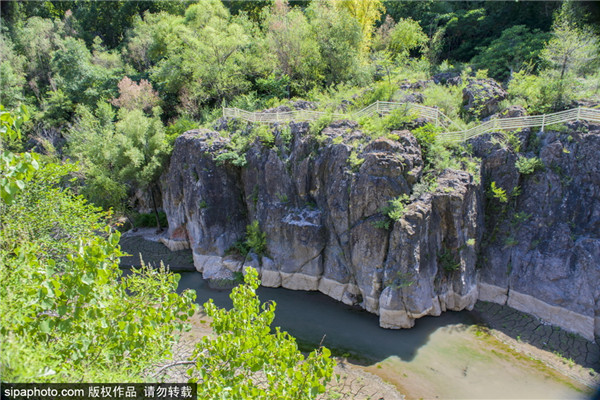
point(142, 148)
point(67, 313)
point(245, 360)
point(293, 42)
point(514, 50)
point(572, 50)
point(12, 74)
point(367, 13)
point(338, 36)
point(406, 36)
point(134, 95)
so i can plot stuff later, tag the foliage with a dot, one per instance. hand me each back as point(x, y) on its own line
point(426, 135)
point(264, 133)
point(569, 52)
point(136, 96)
point(148, 219)
point(498, 193)
point(447, 98)
point(12, 73)
point(246, 360)
point(448, 260)
point(16, 169)
point(318, 125)
point(178, 127)
point(64, 296)
point(406, 36)
point(293, 42)
point(396, 208)
point(528, 166)
point(118, 155)
point(338, 36)
point(512, 52)
point(367, 13)
point(355, 161)
point(256, 240)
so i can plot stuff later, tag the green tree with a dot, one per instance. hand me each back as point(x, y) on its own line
point(367, 13)
point(142, 150)
point(246, 360)
point(572, 50)
point(406, 35)
point(338, 36)
point(294, 44)
point(514, 50)
point(67, 313)
point(12, 74)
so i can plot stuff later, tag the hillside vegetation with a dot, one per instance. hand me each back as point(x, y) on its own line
point(94, 94)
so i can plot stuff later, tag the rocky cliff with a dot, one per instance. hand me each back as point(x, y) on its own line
point(541, 249)
point(321, 200)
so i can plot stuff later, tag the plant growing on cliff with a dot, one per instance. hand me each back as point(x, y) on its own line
point(528, 166)
point(256, 240)
point(248, 360)
point(355, 161)
point(396, 207)
point(497, 193)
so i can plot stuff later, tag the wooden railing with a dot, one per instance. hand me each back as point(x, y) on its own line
point(430, 113)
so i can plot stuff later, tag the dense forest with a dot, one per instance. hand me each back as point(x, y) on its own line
point(94, 93)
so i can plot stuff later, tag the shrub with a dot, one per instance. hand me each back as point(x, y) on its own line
point(256, 240)
point(355, 161)
point(528, 166)
point(498, 193)
point(149, 219)
point(396, 208)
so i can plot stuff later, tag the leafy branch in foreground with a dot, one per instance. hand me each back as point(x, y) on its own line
point(247, 360)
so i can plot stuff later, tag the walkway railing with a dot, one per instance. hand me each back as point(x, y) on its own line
point(530, 121)
point(430, 113)
point(379, 107)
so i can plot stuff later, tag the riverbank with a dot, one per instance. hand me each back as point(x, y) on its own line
point(502, 342)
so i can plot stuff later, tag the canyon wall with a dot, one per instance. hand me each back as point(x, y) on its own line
point(326, 228)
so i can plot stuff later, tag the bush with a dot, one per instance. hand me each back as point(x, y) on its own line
point(256, 240)
point(396, 208)
point(447, 98)
point(247, 359)
point(149, 220)
point(528, 166)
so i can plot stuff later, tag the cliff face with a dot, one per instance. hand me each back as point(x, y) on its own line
point(541, 250)
point(324, 223)
point(325, 229)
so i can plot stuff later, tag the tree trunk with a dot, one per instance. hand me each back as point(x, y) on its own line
point(158, 227)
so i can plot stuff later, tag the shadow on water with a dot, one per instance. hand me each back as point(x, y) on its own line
point(313, 318)
point(350, 331)
point(528, 329)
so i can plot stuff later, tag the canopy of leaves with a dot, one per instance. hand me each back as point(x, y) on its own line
point(247, 360)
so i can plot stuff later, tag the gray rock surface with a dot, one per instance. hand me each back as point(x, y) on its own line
point(482, 96)
point(325, 227)
point(322, 218)
point(541, 251)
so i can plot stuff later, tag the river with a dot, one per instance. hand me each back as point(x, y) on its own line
point(441, 357)
point(446, 357)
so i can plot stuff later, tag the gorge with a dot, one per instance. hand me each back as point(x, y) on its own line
point(457, 241)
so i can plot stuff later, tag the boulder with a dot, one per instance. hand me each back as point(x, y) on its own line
point(481, 97)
